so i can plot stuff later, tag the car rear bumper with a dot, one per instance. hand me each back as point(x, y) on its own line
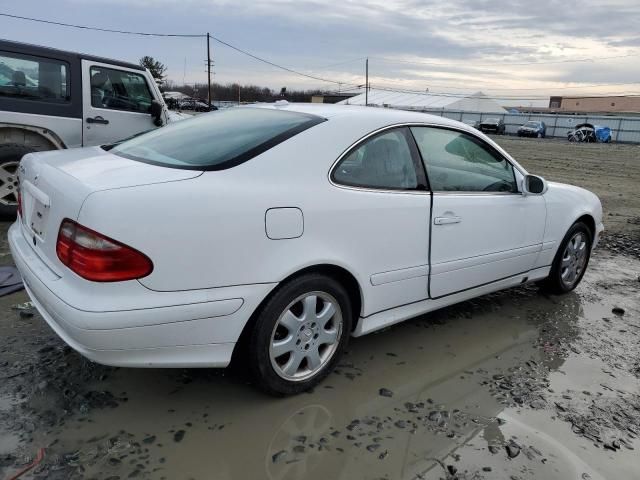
point(191, 334)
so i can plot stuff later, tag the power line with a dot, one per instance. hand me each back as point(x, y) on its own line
point(462, 95)
point(268, 62)
point(401, 87)
point(336, 82)
point(85, 27)
point(591, 85)
point(219, 40)
point(503, 64)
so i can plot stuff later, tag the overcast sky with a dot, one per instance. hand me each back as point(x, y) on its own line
point(454, 45)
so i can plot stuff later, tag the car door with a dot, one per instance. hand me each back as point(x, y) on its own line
point(116, 102)
point(483, 228)
point(384, 218)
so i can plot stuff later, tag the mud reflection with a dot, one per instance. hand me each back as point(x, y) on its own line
point(450, 374)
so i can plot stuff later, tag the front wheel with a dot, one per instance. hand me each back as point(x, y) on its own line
point(571, 260)
point(299, 335)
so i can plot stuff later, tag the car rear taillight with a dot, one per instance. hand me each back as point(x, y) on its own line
point(98, 258)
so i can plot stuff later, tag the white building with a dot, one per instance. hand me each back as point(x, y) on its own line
point(477, 102)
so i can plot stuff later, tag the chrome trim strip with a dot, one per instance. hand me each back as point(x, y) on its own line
point(422, 192)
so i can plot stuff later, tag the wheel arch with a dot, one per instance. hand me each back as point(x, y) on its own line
point(41, 139)
point(589, 221)
point(341, 274)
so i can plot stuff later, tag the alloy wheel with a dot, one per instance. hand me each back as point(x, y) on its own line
point(574, 259)
point(306, 336)
point(9, 183)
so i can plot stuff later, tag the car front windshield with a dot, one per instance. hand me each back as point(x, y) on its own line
point(491, 120)
point(217, 140)
point(532, 124)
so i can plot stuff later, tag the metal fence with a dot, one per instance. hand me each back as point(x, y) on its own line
point(623, 129)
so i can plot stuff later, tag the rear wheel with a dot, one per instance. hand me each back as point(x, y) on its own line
point(10, 156)
point(299, 335)
point(571, 260)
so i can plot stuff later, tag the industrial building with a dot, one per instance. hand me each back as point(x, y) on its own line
point(596, 104)
point(477, 102)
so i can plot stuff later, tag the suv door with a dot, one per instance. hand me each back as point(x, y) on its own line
point(116, 102)
point(483, 228)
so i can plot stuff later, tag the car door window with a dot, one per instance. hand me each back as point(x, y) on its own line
point(119, 90)
point(33, 78)
point(384, 161)
point(460, 162)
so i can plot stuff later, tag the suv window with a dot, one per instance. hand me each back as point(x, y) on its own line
point(119, 90)
point(383, 161)
point(33, 78)
point(216, 140)
point(459, 162)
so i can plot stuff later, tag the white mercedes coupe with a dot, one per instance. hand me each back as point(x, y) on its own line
point(273, 233)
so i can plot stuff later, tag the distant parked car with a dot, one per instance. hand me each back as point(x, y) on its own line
point(492, 125)
point(151, 253)
point(472, 123)
point(195, 105)
point(589, 133)
point(533, 129)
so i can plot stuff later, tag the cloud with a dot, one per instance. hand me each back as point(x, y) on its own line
point(461, 36)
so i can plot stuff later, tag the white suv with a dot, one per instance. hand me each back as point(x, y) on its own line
point(52, 99)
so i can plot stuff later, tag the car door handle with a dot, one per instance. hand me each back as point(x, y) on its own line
point(446, 220)
point(98, 119)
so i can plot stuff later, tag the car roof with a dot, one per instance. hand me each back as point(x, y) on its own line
point(38, 50)
point(377, 117)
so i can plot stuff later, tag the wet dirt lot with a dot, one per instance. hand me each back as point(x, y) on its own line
point(514, 385)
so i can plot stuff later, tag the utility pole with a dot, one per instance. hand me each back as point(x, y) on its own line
point(366, 82)
point(209, 69)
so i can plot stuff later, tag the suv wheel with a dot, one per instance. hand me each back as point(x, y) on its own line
point(300, 335)
point(10, 156)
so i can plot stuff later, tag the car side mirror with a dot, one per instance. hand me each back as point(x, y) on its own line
point(534, 185)
point(156, 113)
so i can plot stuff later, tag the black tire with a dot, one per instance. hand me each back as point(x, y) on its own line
point(262, 371)
point(554, 283)
point(10, 156)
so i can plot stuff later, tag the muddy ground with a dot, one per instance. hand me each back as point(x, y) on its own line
point(514, 385)
point(611, 171)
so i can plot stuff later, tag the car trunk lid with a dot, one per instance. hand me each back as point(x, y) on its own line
point(54, 185)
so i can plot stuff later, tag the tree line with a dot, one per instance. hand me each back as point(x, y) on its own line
point(234, 92)
point(230, 92)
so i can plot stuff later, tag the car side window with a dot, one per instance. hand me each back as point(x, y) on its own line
point(34, 78)
point(383, 161)
point(460, 162)
point(119, 90)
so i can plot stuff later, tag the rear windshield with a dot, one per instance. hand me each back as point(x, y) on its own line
point(216, 140)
